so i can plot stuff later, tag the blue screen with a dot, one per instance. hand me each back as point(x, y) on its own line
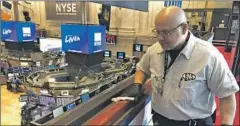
point(85, 97)
point(9, 31)
point(120, 55)
point(74, 40)
point(18, 31)
point(27, 32)
point(70, 106)
point(107, 53)
point(96, 39)
point(86, 39)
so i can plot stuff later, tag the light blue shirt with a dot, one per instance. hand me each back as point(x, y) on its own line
point(204, 73)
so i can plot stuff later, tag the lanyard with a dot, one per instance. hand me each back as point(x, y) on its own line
point(166, 67)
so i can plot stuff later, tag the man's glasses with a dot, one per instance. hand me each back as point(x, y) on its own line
point(166, 32)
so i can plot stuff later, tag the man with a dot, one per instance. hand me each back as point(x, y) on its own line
point(186, 74)
point(15, 80)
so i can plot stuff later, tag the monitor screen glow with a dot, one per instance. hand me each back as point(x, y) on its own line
point(137, 47)
point(58, 111)
point(85, 97)
point(120, 55)
point(70, 106)
point(107, 53)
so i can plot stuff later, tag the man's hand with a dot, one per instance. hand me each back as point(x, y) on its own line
point(137, 92)
point(132, 93)
point(228, 109)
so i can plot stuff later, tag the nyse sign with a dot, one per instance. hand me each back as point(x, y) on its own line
point(63, 10)
point(66, 9)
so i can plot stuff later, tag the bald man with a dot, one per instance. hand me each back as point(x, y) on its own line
point(186, 74)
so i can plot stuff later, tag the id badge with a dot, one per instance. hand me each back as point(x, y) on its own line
point(159, 81)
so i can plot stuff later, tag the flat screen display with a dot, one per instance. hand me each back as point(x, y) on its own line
point(58, 111)
point(137, 47)
point(107, 53)
point(120, 55)
point(23, 98)
point(85, 97)
point(10, 75)
point(70, 106)
point(86, 39)
point(48, 44)
point(17, 31)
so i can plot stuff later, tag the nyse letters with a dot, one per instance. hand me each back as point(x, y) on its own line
point(66, 8)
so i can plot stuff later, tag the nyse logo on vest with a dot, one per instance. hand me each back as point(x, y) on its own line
point(71, 38)
point(7, 31)
point(188, 76)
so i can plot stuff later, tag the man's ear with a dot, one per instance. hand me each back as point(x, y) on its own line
point(184, 28)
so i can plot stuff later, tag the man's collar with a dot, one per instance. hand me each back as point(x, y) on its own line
point(160, 49)
point(187, 50)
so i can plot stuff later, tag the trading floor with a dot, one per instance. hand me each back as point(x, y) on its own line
point(119, 63)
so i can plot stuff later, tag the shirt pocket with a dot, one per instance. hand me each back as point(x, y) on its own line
point(188, 91)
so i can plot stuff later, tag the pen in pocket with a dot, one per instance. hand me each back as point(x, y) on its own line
point(180, 82)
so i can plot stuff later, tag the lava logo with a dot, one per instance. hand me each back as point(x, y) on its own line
point(7, 31)
point(97, 39)
point(71, 38)
point(188, 76)
point(26, 31)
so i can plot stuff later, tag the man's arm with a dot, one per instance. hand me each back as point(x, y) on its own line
point(227, 109)
point(140, 77)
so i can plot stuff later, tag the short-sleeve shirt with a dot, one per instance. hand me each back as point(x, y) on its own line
point(198, 74)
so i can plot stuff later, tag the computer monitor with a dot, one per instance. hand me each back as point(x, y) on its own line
point(23, 98)
point(25, 70)
point(138, 47)
point(120, 55)
point(70, 106)
point(10, 75)
point(16, 74)
point(85, 97)
point(58, 111)
point(107, 53)
point(46, 100)
point(16, 69)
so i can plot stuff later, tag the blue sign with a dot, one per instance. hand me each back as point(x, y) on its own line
point(83, 38)
point(27, 32)
point(173, 3)
point(18, 31)
point(9, 31)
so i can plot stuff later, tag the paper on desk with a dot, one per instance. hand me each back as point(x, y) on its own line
point(122, 99)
